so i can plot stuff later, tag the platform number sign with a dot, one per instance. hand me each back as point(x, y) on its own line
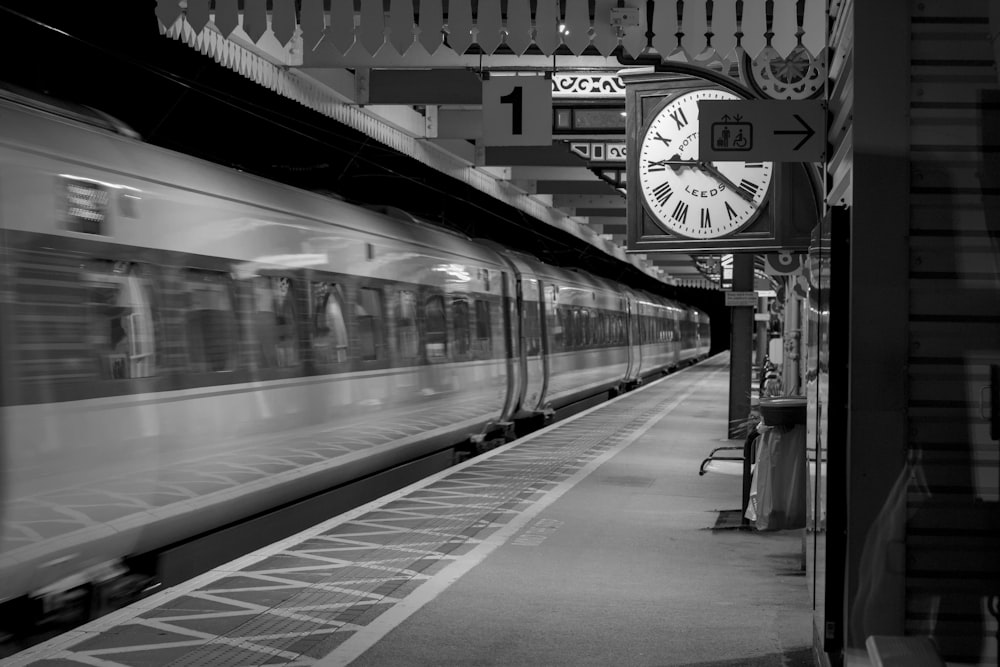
point(517, 111)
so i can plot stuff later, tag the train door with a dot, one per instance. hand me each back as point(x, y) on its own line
point(632, 330)
point(512, 342)
point(533, 343)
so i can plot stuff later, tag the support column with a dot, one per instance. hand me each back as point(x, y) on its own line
point(741, 348)
point(761, 332)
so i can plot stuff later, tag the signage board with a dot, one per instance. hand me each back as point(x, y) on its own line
point(741, 299)
point(517, 111)
point(762, 130)
point(782, 263)
point(762, 317)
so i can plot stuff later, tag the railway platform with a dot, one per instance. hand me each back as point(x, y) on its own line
point(592, 542)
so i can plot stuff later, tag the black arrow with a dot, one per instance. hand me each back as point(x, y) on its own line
point(808, 131)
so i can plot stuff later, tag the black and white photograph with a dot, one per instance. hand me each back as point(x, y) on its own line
point(515, 333)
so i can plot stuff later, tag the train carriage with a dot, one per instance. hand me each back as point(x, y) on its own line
point(184, 346)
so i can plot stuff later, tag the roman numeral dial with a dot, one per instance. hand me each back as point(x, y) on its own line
point(683, 195)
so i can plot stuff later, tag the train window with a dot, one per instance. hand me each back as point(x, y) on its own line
point(85, 204)
point(121, 316)
point(563, 334)
point(210, 320)
point(569, 331)
point(553, 318)
point(460, 322)
point(437, 330)
point(368, 310)
point(407, 340)
point(274, 322)
point(484, 328)
point(329, 331)
point(532, 330)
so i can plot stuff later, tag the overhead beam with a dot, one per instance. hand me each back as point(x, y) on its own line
point(592, 187)
point(610, 229)
point(418, 86)
point(588, 201)
point(555, 155)
point(673, 259)
point(607, 220)
point(599, 212)
point(524, 173)
point(446, 58)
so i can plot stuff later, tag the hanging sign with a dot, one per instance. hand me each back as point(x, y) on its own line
point(772, 130)
point(517, 111)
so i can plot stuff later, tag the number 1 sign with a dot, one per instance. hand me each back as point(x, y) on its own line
point(517, 111)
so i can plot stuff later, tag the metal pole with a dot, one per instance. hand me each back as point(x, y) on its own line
point(741, 348)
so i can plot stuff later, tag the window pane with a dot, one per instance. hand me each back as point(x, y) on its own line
point(122, 321)
point(482, 320)
point(561, 335)
point(210, 321)
point(460, 319)
point(437, 331)
point(274, 321)
point(329, 331)
point(407, 341)
point(532, 329)
point(369, 314)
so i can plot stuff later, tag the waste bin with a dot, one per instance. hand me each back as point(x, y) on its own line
point(778, 489)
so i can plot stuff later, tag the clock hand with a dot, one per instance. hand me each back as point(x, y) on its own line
point(710, 168)
point(674, 162)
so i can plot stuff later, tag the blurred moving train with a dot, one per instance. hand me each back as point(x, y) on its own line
point(184, 345)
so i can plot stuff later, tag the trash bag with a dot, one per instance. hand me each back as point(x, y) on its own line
point(751, 511)
point(780, 477)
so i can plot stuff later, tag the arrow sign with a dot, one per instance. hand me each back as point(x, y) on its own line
point(807, 130)
point(775, 130)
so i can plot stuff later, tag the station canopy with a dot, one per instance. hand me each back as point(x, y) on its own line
point(409, 74)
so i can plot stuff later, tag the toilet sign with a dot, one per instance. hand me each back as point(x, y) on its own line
point(517, 111)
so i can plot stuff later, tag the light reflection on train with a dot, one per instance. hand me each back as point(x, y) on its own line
point(184, 345)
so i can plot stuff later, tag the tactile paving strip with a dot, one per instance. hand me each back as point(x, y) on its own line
point(297, 601)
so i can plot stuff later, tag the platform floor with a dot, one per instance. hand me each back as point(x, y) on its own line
point(592, 542)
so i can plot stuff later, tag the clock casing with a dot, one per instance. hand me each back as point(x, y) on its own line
point(688, 197)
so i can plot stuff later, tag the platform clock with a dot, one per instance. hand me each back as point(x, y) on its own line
point(689, 197)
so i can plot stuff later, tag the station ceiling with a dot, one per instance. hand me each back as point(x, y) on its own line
point(407, 75)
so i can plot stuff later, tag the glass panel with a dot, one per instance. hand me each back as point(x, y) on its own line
point(460, 322)
point(554, 318)
point(532, 328)
point(85, 205)
point(407, 340)
point(369, 314)
point(437, 331)
point(329, 331)
point(210, 321)
point(484, 327)
point(274, 322)
point(121, 317)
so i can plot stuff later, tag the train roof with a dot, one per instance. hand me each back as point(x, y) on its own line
point(79, 113)
point(86, 137)
point(533, 266)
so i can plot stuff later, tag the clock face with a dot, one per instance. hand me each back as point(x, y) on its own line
point(688, 197)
